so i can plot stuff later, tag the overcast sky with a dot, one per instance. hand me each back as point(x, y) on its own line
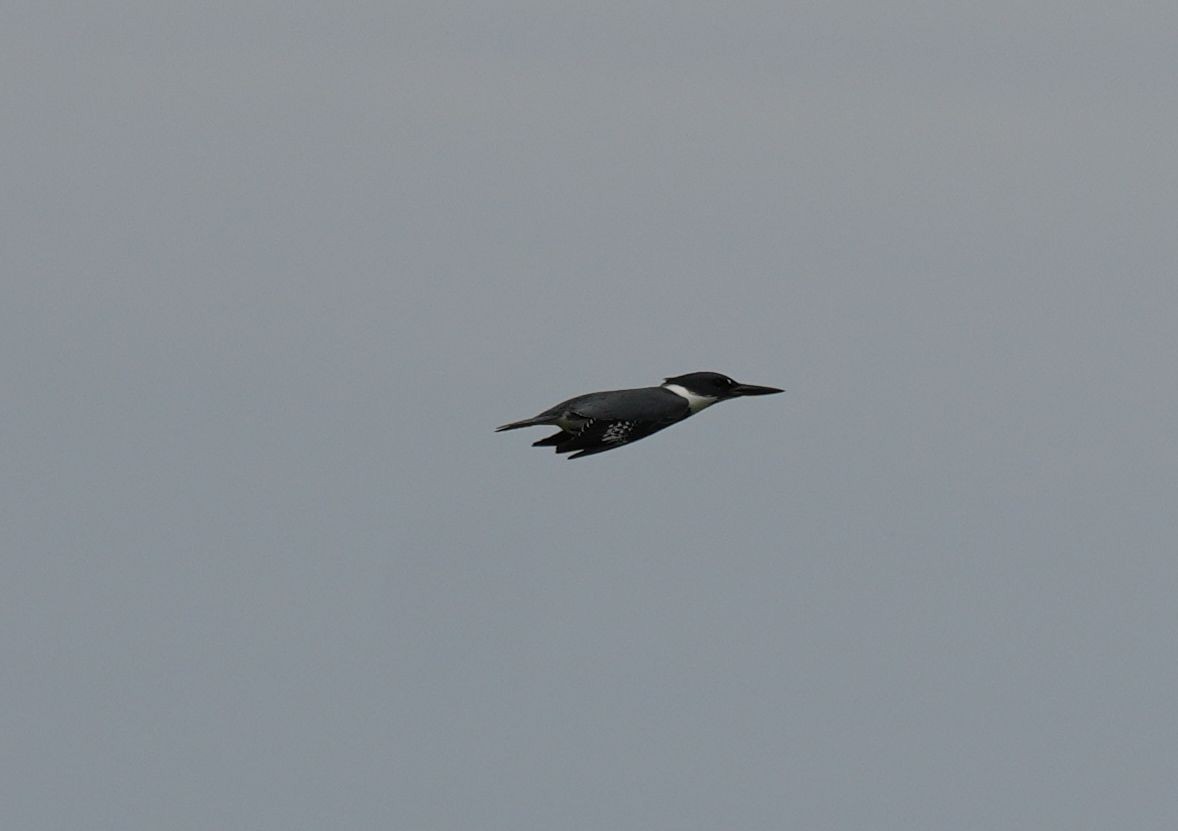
point(273, 272)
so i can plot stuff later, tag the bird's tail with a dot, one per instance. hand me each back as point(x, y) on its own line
point(527, 422)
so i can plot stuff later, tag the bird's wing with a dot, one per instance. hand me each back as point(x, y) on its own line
point(598, 422)
point(600, 435)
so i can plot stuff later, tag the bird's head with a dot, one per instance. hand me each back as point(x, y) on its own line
point(704, 388)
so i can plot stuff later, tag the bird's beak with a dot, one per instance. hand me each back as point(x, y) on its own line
point(752, 389)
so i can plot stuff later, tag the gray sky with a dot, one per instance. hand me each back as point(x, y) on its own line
point(275, 271)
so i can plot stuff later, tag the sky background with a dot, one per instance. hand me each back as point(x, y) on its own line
point(273, 272)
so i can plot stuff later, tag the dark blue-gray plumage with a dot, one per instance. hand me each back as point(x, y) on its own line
point(601, 421)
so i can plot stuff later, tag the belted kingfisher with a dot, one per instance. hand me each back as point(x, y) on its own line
point(601, 421)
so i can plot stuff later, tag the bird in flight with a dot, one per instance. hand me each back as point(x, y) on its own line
point(600, 421)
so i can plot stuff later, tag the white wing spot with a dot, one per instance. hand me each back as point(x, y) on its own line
point(618, 432)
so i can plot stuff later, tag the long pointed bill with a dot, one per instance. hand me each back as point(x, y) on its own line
point(752, 389)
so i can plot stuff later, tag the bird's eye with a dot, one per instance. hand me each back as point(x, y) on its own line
point(723, 383)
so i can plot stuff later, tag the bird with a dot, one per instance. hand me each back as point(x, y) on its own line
point(601, 421)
